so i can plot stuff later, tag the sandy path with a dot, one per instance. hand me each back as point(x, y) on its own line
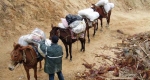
point(129, 22)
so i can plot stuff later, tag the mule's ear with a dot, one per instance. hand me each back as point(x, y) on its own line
point(93, 5)
point(52, 25)
point(58, 33)
point(14, 44)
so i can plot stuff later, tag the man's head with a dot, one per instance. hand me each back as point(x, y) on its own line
point(55, 39)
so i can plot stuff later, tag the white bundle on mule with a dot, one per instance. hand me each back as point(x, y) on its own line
point(48, 42)
point(64, 21)
point(89, 13)
point(108, 7)
point(36, 36)
point(85, 12)
point(22, 40)
point(101, 2)
point(111, 5)
point(61, 25)
point(92, 16)
point(80, 28)
point(74, 24)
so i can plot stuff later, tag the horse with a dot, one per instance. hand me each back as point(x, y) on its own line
point(26, 55)
point(66, 37)
point(88, 26)
point(102, 13)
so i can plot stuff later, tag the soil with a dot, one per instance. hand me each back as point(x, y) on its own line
point(129, 21)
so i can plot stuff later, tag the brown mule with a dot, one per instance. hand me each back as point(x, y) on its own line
point(66, 38)
point(25, 55)
point(94, 24)
point(102, 13)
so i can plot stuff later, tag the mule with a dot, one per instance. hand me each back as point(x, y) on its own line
point(27, 56)
point(102, 13)
point(94, 24)
point(66, 37)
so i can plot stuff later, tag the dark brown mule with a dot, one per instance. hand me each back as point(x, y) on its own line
point(25, 55)
point(103, 14)
point(66, 38)
point(94, 24)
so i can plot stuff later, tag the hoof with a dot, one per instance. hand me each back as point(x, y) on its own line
point(82, 50)
point(40, 70)
point(70, 60)
point(93, 35)
point(88, 41)
point(66, 58)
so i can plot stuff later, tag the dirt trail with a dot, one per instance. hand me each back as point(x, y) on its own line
point(129, 21)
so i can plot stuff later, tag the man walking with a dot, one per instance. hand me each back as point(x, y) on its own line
point(53, 59)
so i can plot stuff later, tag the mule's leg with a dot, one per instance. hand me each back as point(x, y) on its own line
point(35, 72)
point(82, 41)
point(107, 24)
point(66, 51)
point(27, 72)
point(88, 34)
point(66, 47)
point(101, 24)
point(40, 65)
point(70, 51)
point(94, 25)
point(97, 24)
point(83, 44)
point(108, 18)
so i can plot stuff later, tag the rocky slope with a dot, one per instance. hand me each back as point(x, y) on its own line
point(19, 17)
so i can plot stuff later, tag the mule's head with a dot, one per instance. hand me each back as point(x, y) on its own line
point(16, 56)
point(54, 31)
point(94, 7)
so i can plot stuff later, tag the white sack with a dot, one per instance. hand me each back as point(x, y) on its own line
point(64, 22)
point(22, 40)
point(85, 12)
point(74, 24)
point(101, 2)
point(108, 7)
point(39, 32)
point(80, 28)
point(111, 5)
point(33, 38)
point(89, 13)
point(94, 15)
point(36, 36)
point(61, 25)
point(48, 42)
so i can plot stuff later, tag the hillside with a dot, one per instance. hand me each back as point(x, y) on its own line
point(20, 17)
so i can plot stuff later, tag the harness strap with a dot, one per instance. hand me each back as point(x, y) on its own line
point(24, 56)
